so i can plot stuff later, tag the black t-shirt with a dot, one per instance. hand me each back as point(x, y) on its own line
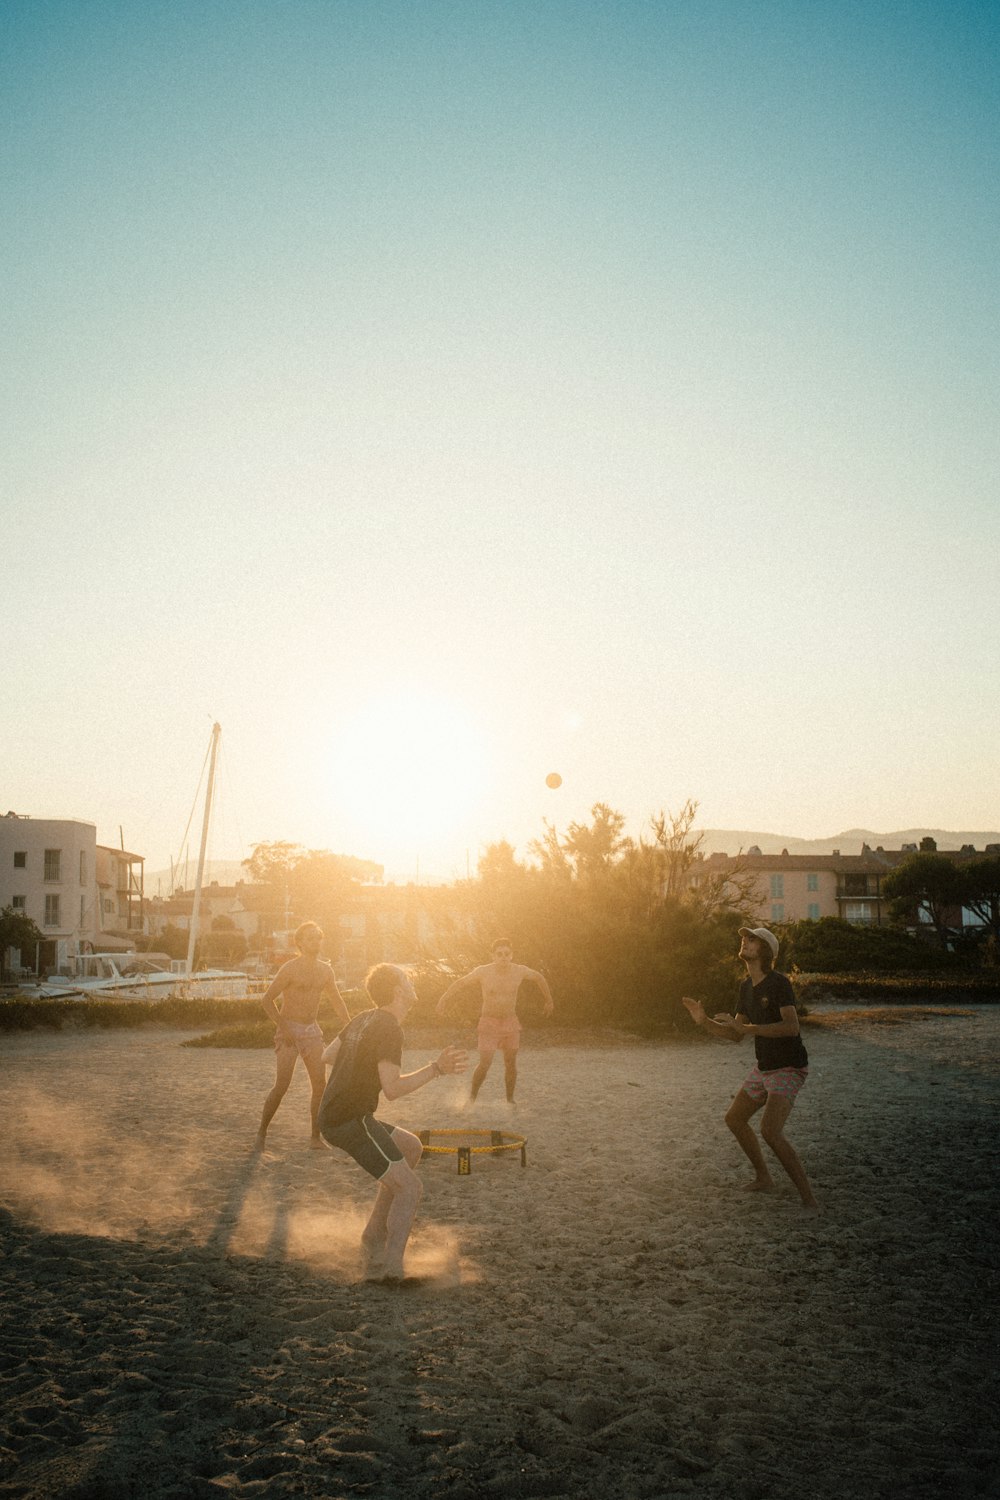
point(353, 1087)
point(761, 1004)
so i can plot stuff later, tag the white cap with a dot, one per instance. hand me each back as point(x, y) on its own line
point(765, 937)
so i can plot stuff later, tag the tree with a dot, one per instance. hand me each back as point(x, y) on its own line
point(173, 941)
point(678, 847)
point(618, 936)
point(221, 946)
point(19, 932)
point(596, 848)
point(497, 863)
point(685, 875)
point(270, 864)
point(308, 884)
point(981, 892)
point(925, 882)
point(549, 852)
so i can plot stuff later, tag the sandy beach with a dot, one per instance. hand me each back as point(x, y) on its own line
point(183, 1319)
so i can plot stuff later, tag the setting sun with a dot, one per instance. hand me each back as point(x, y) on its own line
point(408, 764)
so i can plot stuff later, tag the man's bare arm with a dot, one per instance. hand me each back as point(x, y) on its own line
point(787, 1026)
point(543, 985)
point(274, 989)
point(466, 982)
point(395, 1084)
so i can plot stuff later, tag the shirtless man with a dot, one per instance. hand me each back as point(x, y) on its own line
point(766, 1011)
point(301, 983)
point(499, 983)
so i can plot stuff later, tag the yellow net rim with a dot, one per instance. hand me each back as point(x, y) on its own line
point(508, 1140)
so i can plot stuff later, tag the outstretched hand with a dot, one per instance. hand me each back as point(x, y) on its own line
point(453, 1060)
point(694, 1008)
point(724, 1018)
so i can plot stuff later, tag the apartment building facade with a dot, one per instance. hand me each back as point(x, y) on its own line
point(79, 893)
point(805, 887)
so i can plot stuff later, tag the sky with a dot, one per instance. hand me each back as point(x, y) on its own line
point(439, 395)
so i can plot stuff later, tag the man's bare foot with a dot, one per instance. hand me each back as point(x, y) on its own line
point(810, 1205)
point(759, 1185)
point(260, 1144)
point(317, 1143)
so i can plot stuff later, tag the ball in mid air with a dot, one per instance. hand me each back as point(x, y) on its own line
point(553, 779)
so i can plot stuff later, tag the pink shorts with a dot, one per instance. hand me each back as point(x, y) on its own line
point(304, 1039)
point(499, 1031)
point(783, 1081)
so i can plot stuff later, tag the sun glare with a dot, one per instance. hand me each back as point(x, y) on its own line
point(408, 765)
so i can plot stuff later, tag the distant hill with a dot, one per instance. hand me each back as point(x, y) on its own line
point(732, 840)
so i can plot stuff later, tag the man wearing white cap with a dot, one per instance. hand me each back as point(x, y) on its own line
point(766, 1011)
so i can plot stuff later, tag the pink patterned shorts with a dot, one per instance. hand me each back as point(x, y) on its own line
point(499, 1031)
point(783, 1081)
point(300, 1038)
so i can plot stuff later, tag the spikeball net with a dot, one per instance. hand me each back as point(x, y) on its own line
point(465, 1144)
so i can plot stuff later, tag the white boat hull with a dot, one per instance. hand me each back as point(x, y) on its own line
point(105, 981)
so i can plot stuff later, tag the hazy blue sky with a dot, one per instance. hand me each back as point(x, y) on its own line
point(609, 389)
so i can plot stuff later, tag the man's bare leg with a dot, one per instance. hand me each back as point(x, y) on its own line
point(284, 1067)
point(482, 1068)
point(373, 1236)
point(404, 1190)
point(375, 1232)
point(316, 1069)
point(738, 1117)
point(772, 1128)
point(510, 1073)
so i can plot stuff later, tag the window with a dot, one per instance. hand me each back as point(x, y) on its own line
point(83, 901)
point(813, 909)
point(778, 911)
point(20, 859)
point(19, 903)
point(83, 867)
point(812, 882)
point(777, 887)
point(53, 859)
point(52, 911)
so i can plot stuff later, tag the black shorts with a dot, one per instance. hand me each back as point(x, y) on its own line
point(368, 1140)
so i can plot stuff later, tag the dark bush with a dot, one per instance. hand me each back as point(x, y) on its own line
point(832, 946)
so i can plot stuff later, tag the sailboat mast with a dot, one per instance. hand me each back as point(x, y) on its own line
point(196, 909)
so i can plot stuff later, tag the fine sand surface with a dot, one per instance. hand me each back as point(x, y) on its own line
point(618, 1319)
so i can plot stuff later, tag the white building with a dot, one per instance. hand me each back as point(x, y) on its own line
point(78, 892)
